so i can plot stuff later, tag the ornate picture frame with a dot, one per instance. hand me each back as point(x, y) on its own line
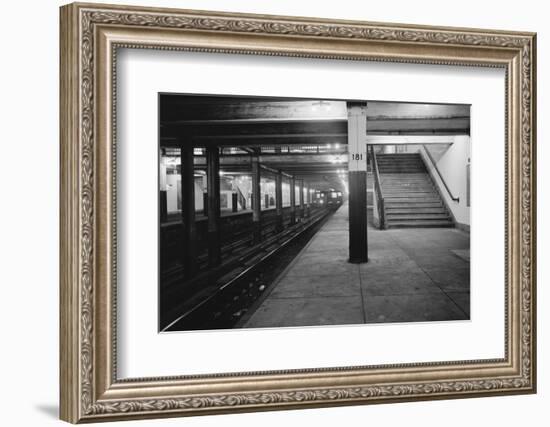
point(90, 37)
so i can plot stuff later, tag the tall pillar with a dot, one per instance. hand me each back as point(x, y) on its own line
point(256, 200)
point(213, 186)
point(205, 195)
point(302, 208)
point(292, 200)
point(279, 200)
point(234, 202)
point(308, 200)
point(357, 172)
point(188, 210)
point(163, 195)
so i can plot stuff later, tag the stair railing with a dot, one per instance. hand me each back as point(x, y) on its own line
point(429, 155)
point(241, 199)
point(378, 189)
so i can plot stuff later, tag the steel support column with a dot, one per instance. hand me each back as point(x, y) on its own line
point(279, 200)
point(256, 200)
point(188, 210)
point(357, 167)
point(213, 186)
point(308, 201)
point(163, 194)
point(292, 200)
point(234, 202)
point(301, 198)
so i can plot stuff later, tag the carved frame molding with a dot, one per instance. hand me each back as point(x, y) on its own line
point(90, 35)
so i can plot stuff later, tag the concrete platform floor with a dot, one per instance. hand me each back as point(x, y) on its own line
point(417, 274)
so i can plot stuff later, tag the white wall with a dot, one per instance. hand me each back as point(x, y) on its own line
point(29, 225)
point(452, 166)
point(451, 163)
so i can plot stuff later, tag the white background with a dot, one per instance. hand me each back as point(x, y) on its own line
point(142, 352)
point(29, 216)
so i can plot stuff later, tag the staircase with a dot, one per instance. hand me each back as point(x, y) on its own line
point(410, 197)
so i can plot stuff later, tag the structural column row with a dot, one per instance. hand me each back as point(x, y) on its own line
point(188, 207)
point(212, 204)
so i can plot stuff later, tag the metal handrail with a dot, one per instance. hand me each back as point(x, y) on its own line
point(454, 199)
point(378, 188)
point(241, 198)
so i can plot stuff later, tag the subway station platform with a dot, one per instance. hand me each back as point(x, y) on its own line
point(414, 274)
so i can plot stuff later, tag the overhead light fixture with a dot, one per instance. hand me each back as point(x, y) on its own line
point(321, 105)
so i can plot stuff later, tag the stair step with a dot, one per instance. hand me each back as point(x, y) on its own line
point(413, 185)
point(405, 199)
point(397, 155)
point(410, 192)
point(419, 224)
point(418, 210)
point(418, 177)
point(391, 165)
point(406, 183)
point(400, 163)
point(407, 187)
point(405, 177)
point(391, 191)
point(405, 180)
point(399, 193)
point(412, 204)
point(432, 197)
point(407, 190)
point(401, 169)
point(424, 187)
point(416, 216)
point(405, 169)
point(410, 175)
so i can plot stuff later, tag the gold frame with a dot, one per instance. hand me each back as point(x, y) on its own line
point(90, 35)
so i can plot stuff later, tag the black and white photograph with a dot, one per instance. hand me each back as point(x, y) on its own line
point(291, 212)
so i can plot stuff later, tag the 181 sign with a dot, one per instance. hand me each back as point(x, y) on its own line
point(357, 137)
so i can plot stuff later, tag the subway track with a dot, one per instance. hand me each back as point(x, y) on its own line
point(230, 292)
point(235, 242)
